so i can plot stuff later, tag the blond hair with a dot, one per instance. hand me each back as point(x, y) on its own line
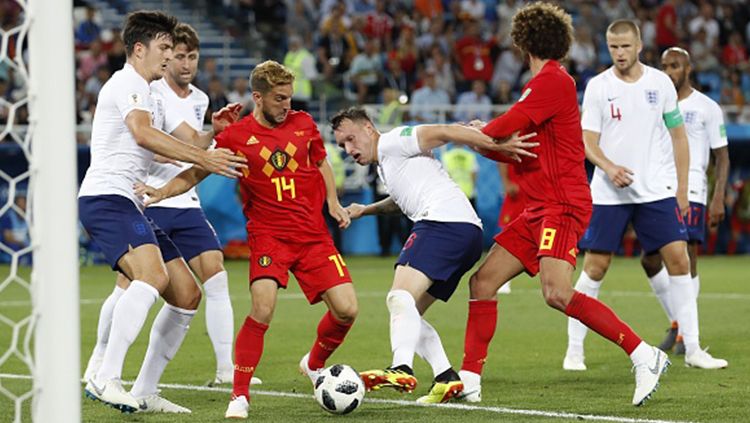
point(269, 74)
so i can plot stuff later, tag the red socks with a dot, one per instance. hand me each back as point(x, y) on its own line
point(247, 352)
point(480, 328)
point(331, 334)
point(602, 320)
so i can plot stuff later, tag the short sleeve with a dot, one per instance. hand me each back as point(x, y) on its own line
point(224, 139)
point(317, 146)
point(172, 119)
point(591, 115)
point(400, 142)
point(540, 100)
point(717, 131)
point(131, 95)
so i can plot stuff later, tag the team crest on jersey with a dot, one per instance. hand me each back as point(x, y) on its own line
point(652, 97)
point(690, 117)
point(135, 99)
point(279, 160)
point(198, 109)
point(265, 261)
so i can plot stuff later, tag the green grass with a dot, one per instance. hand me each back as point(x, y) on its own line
point(523, 370)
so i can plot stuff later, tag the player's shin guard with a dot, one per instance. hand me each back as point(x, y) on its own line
point(602, 320)
point(247, 352)
point(431, 349)
point(167, 334)
point(480, 328)
point(127, 321)
point(406, 324)
point(331, 334)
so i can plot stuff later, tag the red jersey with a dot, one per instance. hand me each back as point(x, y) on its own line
point(550, 101)
point(282, 188)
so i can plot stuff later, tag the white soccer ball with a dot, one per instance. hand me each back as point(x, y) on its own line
point(339, 389)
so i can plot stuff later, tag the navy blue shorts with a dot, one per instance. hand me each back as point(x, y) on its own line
point(444, 251)
point(696, 222)
point(187, 228)
point(115, 225)
point(656, 224)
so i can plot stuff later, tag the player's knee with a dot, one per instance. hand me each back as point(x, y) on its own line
point(651, 264)
point(556, 295)
point(159, 279)
point(262, 313)
point(399, 300)
point(677, 264)
point(188, 299)
point(479, 287)
point(596, 271)
point(346, 314)
point(211, 269)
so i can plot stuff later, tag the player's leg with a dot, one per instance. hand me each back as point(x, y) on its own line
point(601, 239)
point(103, 326)
point(658, 278)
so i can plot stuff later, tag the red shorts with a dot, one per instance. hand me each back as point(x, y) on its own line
point(512, 208)
point(529, 238)
point(318, 266)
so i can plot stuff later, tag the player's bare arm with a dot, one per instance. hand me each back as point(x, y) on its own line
point(432, 136)
point(202, 139)
point(721, 169)
point(334, 206)
point(178, 185)
point(619, 175)
point(384, 206)
point(220, 161)
point(682, 164)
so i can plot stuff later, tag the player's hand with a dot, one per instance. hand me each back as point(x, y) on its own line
point(620, 176)
point(226, 116)
point(222, 161)
point(158, 158)
point(150, 194)
point(682, 202)
point(355, 210)
point(716, 212)
point(340, 214)
point(516, 146)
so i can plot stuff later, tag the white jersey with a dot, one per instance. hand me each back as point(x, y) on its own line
point(190, 110)
point(704, 122)
point(630, 118)
point(417, 182)
point(117, 161)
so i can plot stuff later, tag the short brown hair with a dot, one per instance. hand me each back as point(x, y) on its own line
point(146, 25)
point(185, 34)
point(543, 30)
point(269, 74)
point(622, 26)
point(354, 114)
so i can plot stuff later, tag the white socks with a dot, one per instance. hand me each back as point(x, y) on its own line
point(406, 324)
point(127, 320)
point(105, 322)
point(685, 309)
point(220, 320)
point(167, 334)
point(576, 330)
point(431, 349)
point(697, 285)
point(641, 354)
point(660, 285)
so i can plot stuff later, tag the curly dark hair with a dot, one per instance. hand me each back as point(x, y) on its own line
point(354, 114)
point(543, 30)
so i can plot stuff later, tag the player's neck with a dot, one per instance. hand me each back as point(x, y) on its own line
point(536, 64)
point(375, 148)
point(685, 91)
point(261, 119)
point(631, 74)
point(140, 69)
point(181, 91)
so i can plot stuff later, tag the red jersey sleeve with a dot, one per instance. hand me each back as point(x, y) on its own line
point(317, 148)
point(540, 100)
point(224, 139)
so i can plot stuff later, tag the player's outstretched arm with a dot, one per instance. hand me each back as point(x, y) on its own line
point(202, 139)
point(721, 174)
point(332, 199)
point(682, 164)
point(619, 175)
point(432, 136)
point(219, 161)
point(178, 185)
point(384, 206)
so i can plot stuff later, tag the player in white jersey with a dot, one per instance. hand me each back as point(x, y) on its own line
point(445, 243)
point(704, 122)
point(634, 134)
point(125, 136)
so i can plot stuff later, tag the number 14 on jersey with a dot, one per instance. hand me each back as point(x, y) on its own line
point(283, 184)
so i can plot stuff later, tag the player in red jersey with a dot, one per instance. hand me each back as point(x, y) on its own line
point(283, 189)
point(543, 238)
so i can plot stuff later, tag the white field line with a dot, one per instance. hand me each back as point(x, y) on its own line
point(371, 294)
point(452, 406)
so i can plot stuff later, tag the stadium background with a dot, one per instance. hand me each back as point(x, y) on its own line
point(392, 48)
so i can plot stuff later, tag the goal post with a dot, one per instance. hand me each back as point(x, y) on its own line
point(54, 212)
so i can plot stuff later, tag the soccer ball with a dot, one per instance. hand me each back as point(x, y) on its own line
point(339, 389)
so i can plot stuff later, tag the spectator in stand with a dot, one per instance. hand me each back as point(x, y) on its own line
point(706, 21)
point(94, 85)
point(116, 56)
point(303, 20)
point(406, 53)
point(731, 91)
point(730, 20)
point(430, 9)
point(505, 12)
point(336, 50)
point(88, 30)
point(734, 54)
point(241, 94)
point(473, 56)
point(444, 71)
point(337, 18)
point(667, 26)
point(507, 69)
point(582, 56)
point(209, 72)
point(648, 27)
point(302, 64)
point(616, 9)
point(90, 60)
point(435, 36)
point(704, 57)
point(472, 9)
point(394, 78)
point(217, 97)
point(474, 104)
point(379, 24)
point(426, 98)
point(367, 71)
